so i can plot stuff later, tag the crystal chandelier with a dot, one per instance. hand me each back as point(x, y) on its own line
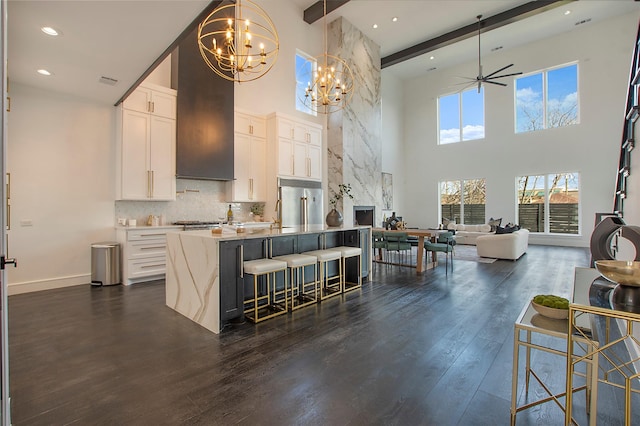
point(238, 41)
point(332, 85)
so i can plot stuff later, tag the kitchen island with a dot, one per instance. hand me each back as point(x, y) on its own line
point(205, 281)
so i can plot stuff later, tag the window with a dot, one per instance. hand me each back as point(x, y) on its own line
point(463, 201)
point(461, 116)
point(547, 99)
point(549, 203)
point(305, 67)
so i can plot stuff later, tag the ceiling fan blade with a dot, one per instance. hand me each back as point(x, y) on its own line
point(500, 70)
point(505, 75)
point(466, 78)
point(495, 82)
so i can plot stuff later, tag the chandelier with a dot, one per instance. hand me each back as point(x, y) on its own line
point(238, 41)
point(332, 85)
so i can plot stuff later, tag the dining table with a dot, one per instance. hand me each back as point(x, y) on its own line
point(421, 234)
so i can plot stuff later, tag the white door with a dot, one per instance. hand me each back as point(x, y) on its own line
point(5, 414)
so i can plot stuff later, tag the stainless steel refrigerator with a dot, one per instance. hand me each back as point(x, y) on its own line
point(300, 202)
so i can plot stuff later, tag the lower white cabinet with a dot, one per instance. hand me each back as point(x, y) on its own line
point(144, 253)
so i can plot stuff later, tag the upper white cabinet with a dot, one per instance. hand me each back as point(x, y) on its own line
point(298, 146)
point(159, 101)
point(250, 156)
point(147, 145)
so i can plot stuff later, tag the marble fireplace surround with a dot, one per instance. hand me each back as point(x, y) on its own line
point(354, 147)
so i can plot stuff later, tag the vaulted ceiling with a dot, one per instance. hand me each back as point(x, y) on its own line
point(122, 39)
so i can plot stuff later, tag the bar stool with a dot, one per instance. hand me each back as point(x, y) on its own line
point(329, 285)
point(269, 303)
point(347, 252)
point(302, 293)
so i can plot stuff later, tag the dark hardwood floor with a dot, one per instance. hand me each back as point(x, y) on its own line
point(407, 349)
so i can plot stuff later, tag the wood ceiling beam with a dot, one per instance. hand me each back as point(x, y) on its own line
point(516, 14)
point(316, 10)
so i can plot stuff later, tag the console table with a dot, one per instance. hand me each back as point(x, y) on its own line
point(531, 331)
point(616, 330)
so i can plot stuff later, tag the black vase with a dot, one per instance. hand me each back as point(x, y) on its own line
point(334, 218)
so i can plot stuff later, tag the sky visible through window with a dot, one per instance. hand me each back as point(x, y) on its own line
point(304, 70)
point(561, 99)
point(472, 118)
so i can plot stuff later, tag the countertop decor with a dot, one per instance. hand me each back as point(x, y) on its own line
point(334, 217)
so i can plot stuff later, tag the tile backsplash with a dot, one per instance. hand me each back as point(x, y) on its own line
point(195, 200)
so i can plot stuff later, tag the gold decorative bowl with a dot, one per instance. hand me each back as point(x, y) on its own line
point(548, 312)
point(623, 272)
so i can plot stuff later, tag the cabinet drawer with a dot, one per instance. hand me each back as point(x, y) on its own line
point(147, 234)
point(146, 267)
point(147, 248)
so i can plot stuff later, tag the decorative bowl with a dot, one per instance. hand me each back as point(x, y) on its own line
point(548, 312)
point(623, 272)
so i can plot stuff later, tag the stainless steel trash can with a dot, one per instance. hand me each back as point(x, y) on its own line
point(105, 263)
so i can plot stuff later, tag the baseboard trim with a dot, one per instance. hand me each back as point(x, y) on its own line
point(49, 284)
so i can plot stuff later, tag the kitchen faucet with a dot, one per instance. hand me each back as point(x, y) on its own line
point(278, 219)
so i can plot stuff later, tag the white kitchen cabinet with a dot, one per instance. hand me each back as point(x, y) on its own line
point(147, 145)
point(249, 158)
point(153, 99)
point(144, 253)
point(298, 145)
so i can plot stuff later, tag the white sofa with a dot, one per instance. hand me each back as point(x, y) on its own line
point(503, 246)
point(467, 234)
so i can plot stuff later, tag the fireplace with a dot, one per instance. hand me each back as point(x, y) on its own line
point(363, 215)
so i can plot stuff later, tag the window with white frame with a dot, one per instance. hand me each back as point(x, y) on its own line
point(549, 203)
point(463, 201)
point(305, 68)
point(547, 99)
point(461, 116)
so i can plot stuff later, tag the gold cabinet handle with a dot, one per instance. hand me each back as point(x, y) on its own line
point(148, 184)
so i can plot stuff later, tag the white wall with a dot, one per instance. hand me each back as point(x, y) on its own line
point(591, 148)
point(60, 155)
point(275, 91)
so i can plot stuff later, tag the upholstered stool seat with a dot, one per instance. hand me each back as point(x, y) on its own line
point(330, 285)
point(302, 293)
point(347, 252)
point(267, 301)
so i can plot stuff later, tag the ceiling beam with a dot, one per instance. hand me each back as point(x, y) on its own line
point(516, 14)
point(316, 10)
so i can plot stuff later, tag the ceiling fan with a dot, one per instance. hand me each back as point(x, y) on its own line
point(490, 77)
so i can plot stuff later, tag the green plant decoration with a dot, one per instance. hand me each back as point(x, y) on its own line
point(343, 191)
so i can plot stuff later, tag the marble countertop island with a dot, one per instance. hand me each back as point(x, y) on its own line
point(193, 268)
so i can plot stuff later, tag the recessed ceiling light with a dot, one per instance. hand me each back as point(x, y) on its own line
point(567, 12)
point(394, 19)
point(432, 57)
point(44, 72)
point(51, 31)
point(375, 26)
